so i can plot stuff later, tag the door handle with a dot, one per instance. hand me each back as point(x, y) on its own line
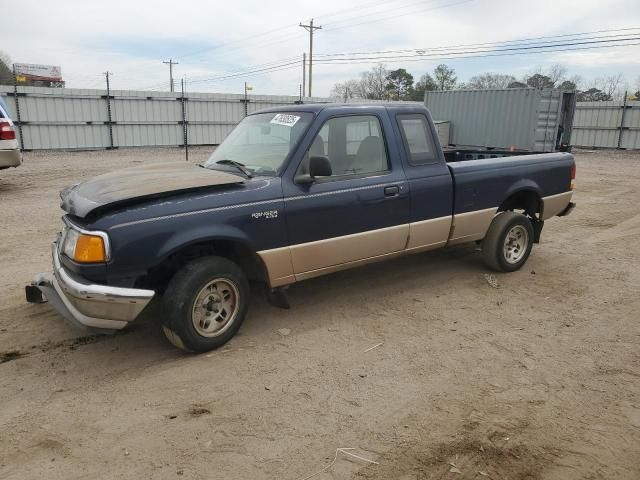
point(392, 190)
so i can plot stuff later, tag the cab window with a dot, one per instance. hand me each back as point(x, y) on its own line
point(354, 145)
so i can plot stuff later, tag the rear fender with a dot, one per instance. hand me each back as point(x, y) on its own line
point(525, 184)
point(524, 187)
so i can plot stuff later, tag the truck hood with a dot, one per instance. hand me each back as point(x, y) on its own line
point(137, 183)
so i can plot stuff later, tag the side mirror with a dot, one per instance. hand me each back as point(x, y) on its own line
point(319, 166)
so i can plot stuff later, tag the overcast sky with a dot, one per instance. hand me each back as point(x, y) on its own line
point(209, 39)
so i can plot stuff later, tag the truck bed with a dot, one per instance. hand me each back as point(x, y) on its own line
point(464, 154)
point(485, 182)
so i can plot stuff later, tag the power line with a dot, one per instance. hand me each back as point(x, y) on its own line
point(495, 50)
point(360, 7)
point(288, 37)
point(275, 63)
point(375, 20)
point(520, 46)
point(370, 14)
point(251, 68)
point(483, 44)
point(283, 66)
point(456, 57)
point(252, 38)
point(452, 53)
point(240, 40)
point(326, 57)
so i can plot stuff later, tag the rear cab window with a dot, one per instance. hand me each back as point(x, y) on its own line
point(417, 139)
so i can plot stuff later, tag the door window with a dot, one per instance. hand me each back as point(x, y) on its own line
point(417, 139)
point(354, 145)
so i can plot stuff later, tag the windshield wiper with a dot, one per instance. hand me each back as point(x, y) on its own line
point(238, 165)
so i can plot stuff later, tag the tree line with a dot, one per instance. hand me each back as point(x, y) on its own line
point(379, 83)
point(6, 72)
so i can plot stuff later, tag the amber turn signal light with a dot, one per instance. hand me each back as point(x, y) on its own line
point(89, 249)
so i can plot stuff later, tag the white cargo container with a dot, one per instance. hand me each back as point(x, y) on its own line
point(526, 119)
point(443, 128)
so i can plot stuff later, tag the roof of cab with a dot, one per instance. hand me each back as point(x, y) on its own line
point(318, 107)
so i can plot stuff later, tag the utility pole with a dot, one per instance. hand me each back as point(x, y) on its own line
point(107, 74)
point(171, 63)
point(310, 28)
point(304, 74)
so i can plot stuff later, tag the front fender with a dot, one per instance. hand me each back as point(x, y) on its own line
point(199, 234)
point(141, 247)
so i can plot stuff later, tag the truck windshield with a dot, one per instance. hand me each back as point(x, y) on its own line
point(260, 143)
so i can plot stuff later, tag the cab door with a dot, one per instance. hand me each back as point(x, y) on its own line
point(429, 179)
point(361, 211)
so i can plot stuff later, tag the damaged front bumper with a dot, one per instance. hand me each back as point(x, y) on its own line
point(86, 305)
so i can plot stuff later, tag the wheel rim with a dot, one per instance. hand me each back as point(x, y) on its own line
point(215, 307)
point(515, 244)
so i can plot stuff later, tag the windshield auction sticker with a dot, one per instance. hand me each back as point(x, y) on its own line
point(285, 119)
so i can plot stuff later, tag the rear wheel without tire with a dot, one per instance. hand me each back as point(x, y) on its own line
point(205, 303)
point(508, 242)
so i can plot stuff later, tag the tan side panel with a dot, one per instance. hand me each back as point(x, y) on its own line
point(554, 204)
point(344, 266)
point(348, 248)
point(428, 234)
point(279, 267)
point(471, 226)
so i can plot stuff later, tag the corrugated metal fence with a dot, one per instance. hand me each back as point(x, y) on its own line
point(607, 125)
point(53, 118)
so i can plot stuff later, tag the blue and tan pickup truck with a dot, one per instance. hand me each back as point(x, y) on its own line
point(291, 194)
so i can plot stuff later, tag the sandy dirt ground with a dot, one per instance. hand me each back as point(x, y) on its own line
point(536, 379)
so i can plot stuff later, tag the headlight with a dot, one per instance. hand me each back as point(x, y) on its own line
point(84, 247)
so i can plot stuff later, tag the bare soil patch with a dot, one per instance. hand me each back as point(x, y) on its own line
point(536, 377)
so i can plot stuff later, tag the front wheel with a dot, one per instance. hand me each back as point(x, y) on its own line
point(205, 303)
point(508, 242)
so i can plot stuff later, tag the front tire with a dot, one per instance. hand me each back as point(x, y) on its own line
point(205, 303)
point(508, 242)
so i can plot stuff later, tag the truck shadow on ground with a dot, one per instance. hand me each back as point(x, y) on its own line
point(372, 283)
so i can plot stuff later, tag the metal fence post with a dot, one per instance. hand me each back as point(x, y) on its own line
point(17, 101)
point(246, 100)
point(109, 119)
point(621, 129)
point(185, 127)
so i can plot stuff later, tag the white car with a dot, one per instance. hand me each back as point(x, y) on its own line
point(9, 152)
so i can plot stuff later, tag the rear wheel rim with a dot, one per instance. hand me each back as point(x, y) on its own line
point(215, 307)
point(515, 244)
